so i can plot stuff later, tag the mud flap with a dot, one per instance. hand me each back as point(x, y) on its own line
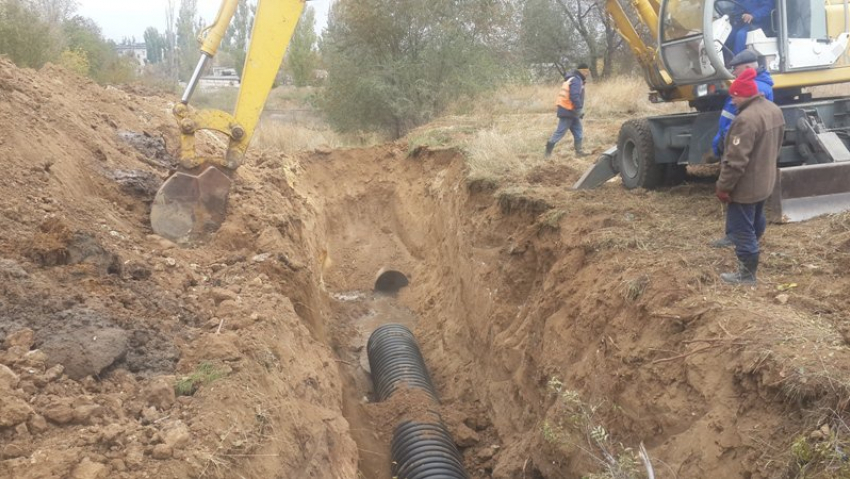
point(804, 192)
point(191, 206)
point(603, 170)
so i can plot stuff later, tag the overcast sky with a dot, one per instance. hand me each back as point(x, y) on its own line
point(122, 18)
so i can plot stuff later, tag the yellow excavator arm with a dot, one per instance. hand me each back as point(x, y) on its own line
point(193, 202)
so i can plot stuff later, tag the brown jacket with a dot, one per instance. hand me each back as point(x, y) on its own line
point(748, 167)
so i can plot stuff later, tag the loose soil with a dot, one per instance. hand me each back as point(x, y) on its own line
point(539, 314)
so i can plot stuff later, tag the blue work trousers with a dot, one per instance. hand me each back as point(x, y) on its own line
point(572, 123)
point(745, 224)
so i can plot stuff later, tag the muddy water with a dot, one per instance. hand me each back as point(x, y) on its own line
point(379, 309)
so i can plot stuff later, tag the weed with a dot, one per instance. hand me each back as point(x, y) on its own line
point(429, 139)
point(205, 373)
point(635, 287)
point(552, 219)
point(821, 453)
point(519, 200)
point(576, 419)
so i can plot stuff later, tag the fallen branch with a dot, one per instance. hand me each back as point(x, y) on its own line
point(644, 457)
point(682, 356)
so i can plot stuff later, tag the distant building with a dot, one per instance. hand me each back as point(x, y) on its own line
point(220, 77)
point(137, 51)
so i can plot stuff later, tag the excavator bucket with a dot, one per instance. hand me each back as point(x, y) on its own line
point(803, 192)
point(191, 206)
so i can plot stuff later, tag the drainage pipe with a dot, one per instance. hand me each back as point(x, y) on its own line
point(421, 449)
point(425, 450)
point(395, 360)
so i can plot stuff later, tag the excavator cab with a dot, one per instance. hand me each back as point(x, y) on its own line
point(691, 41)
point(698, 37)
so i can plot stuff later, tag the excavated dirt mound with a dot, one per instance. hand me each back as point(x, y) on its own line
point(124, 356)
point(562, 329)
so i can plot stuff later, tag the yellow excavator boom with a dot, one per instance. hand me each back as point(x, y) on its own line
point(193, 202)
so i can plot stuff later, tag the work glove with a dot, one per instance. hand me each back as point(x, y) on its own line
point(581, 114)
point(723, 196)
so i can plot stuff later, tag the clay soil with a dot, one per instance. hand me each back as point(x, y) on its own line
point(543, 316)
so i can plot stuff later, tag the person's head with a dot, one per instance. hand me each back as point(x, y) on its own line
point(743, 60)
point(584, 70)
point(744, 87)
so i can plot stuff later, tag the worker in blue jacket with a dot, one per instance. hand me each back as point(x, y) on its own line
point(742, 61)
point(755, 15)
point(569, 105)
point(764, 83)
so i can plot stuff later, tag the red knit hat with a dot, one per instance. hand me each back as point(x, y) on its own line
point(745, 84)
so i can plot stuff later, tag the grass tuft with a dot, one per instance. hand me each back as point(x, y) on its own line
point(205, 373)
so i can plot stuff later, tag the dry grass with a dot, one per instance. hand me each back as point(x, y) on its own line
point(504, 132)
point(507, 149)
point(290, 138)
point(624, 95)
point(289, 97)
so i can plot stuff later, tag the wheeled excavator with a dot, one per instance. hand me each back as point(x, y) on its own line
point(804, 45)
point(192, 202)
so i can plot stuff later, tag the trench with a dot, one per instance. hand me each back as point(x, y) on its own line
point(502, 306)
point(376, 243)
point(371, 310)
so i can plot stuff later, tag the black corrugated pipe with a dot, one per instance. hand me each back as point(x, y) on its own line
point(421, 449)
point(395, 360)
point(425, 450)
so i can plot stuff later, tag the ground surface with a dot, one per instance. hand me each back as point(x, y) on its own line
point(558, 326)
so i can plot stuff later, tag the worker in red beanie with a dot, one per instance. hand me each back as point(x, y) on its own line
point(748, 172)
point(745, 84)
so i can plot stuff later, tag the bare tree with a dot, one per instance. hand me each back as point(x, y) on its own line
point(584, 17)
point(171, 39)
point(560, 33)
point(55, 12)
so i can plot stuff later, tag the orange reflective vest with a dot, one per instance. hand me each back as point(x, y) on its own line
point(564, 95)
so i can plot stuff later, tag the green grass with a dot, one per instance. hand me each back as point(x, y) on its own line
point(205, 373)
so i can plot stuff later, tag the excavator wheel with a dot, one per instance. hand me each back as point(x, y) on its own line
point(636, 156)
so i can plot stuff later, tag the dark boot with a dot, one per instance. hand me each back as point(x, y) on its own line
point(724, 242)
point(549, 147)
point(579, 151)
point(746, 274)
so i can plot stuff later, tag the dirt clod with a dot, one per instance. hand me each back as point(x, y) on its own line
point(160, 393)
point(59, 411)
point(37, 424)
point(143, 184)
point(162, 452)
point(14, 450)
point(8, 380)
point(11, 269)
point(88, 469)
point(464, 436)
point(152, 147)
point(86, 351)
point(13, 410)
point(177, 436)
point(23, 338)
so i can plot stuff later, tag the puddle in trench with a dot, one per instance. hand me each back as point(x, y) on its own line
point(375, 309)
